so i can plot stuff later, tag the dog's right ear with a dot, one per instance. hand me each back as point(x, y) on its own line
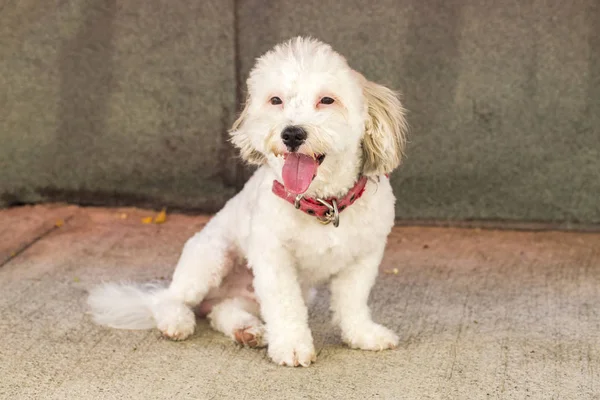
point(241, 139)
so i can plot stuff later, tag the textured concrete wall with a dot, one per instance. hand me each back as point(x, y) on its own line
point(117, 102)
point(130, 103)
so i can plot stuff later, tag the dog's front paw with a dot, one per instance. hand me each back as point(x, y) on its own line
point(292, 353)
point(371, 337)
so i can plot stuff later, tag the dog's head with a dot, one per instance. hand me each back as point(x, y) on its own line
point(310, 117)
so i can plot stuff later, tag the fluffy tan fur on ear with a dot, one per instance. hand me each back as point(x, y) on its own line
point(241, 140)
point(385, 130)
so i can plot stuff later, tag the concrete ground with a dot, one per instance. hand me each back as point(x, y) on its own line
point(481, 314)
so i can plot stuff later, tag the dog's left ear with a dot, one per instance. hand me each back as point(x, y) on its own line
point(241, 140)
point(385, 130)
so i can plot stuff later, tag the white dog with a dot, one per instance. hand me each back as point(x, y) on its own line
point(319, 208)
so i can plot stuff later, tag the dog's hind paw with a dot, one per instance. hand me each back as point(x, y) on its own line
point(253, 336)
point(177, 323)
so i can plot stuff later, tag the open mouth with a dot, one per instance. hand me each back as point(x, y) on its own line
point(299, 170)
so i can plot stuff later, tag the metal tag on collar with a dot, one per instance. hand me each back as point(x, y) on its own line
point(333, 215)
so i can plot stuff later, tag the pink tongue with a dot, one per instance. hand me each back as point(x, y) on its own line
point(298, 172)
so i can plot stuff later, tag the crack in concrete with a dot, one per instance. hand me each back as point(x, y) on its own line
point(33, 241)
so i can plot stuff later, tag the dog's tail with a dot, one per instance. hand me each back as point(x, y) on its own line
point(124, 306)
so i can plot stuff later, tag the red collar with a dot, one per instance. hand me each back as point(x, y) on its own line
point(326, 210)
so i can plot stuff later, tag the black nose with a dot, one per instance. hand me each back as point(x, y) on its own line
point(293, 137)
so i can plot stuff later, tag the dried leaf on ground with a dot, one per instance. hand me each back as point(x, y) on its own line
point(161, 217)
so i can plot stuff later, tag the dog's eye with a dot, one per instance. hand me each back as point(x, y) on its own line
point(327, 100)
point(276, 101)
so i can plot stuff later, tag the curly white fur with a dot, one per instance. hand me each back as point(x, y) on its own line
point(257, 258)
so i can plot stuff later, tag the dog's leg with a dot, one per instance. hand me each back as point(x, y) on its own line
point(349, 295)
point(282, 305)
point(205, 260)
point(238, 319)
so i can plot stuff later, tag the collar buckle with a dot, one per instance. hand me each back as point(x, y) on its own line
point(332, 215)
point(297, 201)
